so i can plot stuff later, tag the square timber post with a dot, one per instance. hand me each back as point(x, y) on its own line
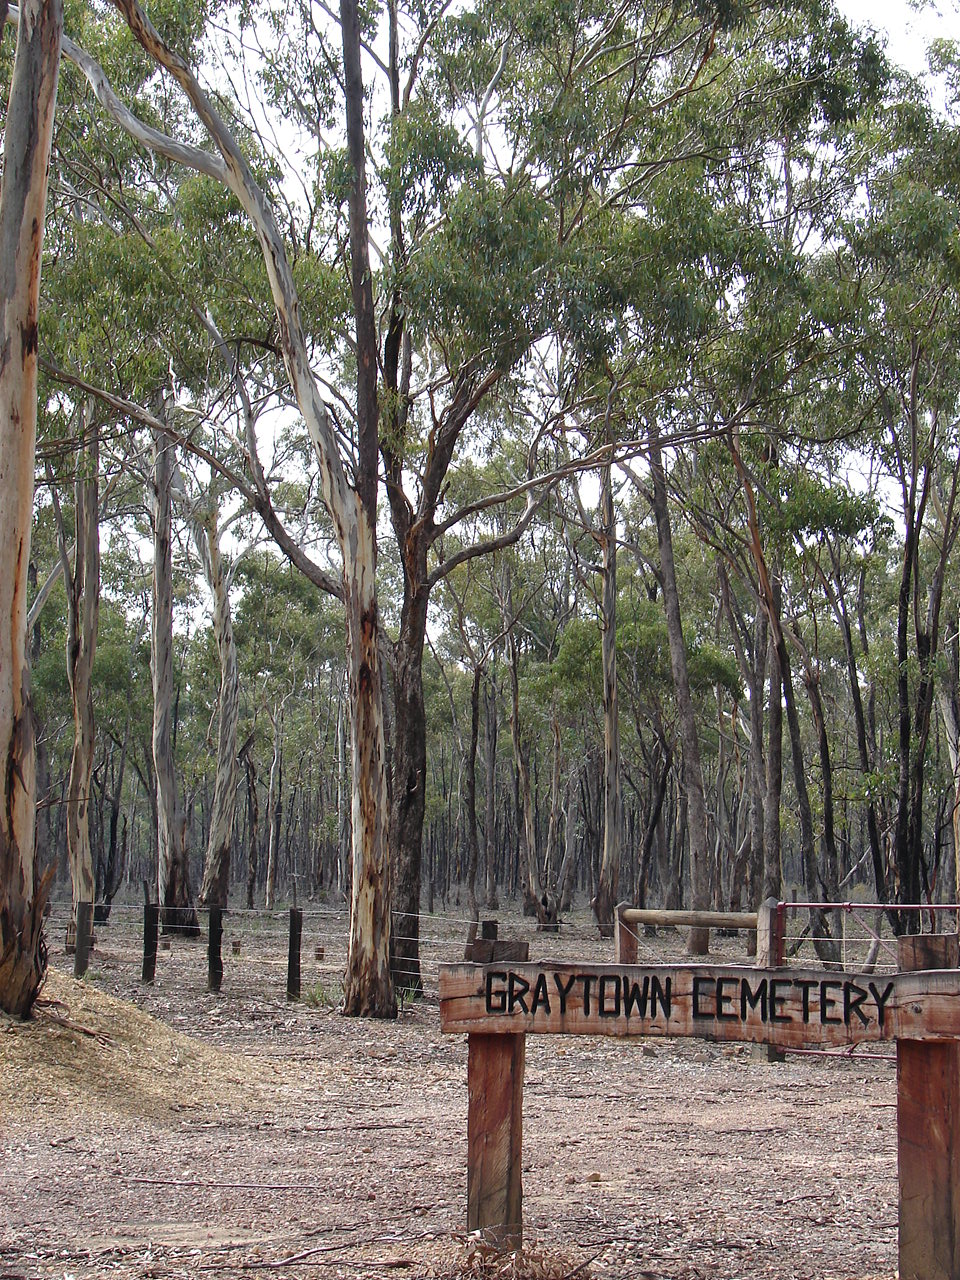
point(928, 1133)
point(494, 1137)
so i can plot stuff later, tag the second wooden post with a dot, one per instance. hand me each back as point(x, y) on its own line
point(928, 1134)
point(495, 1137)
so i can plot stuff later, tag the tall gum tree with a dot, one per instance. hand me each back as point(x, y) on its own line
point(557, 104)
point(28, 130)
point(351, 505)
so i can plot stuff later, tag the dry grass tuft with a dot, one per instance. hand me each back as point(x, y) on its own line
point(481, 1261)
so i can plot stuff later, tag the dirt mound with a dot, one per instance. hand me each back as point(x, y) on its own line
point(86, 1048)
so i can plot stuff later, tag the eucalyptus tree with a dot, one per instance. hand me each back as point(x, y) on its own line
point(201, 501)
point(502, 128)
point(351, 505)
point(28, 131)
point(899, 266)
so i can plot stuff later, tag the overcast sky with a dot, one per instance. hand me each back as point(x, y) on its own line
point(911, 27)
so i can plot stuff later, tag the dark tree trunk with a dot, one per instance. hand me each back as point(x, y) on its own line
point(605, 900)
point(409, 778)
point(490, 726)
point(470, 786)
point(253, 821)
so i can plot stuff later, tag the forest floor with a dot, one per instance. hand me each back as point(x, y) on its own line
point(166, 1132)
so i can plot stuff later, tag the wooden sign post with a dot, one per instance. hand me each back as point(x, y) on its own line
point(928, 1133)
point(497, 1005)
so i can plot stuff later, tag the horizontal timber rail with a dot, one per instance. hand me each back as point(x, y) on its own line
point(695, 919)
point(768, 923)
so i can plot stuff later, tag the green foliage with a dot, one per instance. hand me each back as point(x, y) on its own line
point(477, 282)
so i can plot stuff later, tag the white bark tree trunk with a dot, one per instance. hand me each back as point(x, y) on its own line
point(368, 986)
point(173, 885)
point(352, 508)
point(82, 584)
point(273, 800)
point(28, 131)
point(215, 886)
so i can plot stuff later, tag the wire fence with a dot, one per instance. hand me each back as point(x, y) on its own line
point(255, 952)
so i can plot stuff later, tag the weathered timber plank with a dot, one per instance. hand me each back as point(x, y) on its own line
point(786, 1007)
point(493, 950)
point(928, 1136)
point(494, 1137)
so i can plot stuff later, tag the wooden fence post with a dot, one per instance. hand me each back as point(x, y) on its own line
point(928, 1133)
point(293, 954)
point(151, 931)
point(624, 937)
point(214, 957)
point(84, 928)
point(770, 955)
point(495, 1137)
point(770, 935)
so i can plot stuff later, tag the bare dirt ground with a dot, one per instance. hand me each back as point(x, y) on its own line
point(167, 1132)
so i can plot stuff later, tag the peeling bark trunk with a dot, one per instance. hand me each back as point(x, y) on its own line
point(343, 810)
point(368, 984)
point(28, 130)
point(215, 887)
point(173, 881)
point(368, 989)
point(82, 584)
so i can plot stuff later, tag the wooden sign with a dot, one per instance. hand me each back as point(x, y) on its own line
point(789, 1008)
point(499, 1004)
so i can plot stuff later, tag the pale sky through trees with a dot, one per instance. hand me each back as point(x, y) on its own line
point(911, 27)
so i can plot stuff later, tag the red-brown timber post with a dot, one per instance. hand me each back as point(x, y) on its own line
point(625, 937)
point(928, 1133)
point(494, 1137)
